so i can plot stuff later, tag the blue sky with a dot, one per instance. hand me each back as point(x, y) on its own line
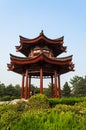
point(56, 17)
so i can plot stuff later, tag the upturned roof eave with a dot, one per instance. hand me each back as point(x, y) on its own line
point(40, 57)
point(24, 40)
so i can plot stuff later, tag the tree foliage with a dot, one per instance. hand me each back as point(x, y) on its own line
point(78, 85)
point(2, 89)
point(33, 89)
point(78, 88)
point(48, 91)
point(9, 92)
point(66, 90)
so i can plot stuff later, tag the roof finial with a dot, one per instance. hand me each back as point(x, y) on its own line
point(41, 32)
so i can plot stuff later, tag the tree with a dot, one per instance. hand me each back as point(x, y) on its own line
point(33, 89)
point(10, 90)
point(66, 90)
point(2, 89)
point(48, 91)
point(78, 86)
point(17, 90)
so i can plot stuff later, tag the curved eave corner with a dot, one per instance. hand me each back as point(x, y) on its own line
point(13, 57)
point(10, 67)
point(66, 58)
point(64, 48)
point(18, 48)
point(71, 68)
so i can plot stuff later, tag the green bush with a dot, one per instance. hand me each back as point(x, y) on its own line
point(50, 120)
point(5, 98)
point(29, 116)
point(8, 98)
point(8, 117)
point(68, 101)
point(20, 106)
point(38, 101)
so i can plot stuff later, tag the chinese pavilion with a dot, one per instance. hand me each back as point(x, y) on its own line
point(41, 61)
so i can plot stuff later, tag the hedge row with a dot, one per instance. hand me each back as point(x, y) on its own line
point(68, 101)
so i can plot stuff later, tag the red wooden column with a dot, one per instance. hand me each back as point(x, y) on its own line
point(22, 89)
point(26, 87)
point(41, 80)
point(59, 94)
point(55, 83)
point(29, 83)
point(52, 91)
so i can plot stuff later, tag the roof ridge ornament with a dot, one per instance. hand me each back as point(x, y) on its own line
point(41, 33)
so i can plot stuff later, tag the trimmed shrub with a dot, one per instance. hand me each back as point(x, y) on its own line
point(38, 101)
point(5, 98)
point(68, 101)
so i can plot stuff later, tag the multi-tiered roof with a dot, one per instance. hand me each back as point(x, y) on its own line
point(41, 52)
